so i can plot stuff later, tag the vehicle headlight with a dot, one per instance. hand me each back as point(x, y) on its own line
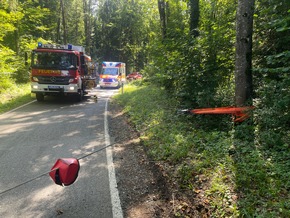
point(35, 79)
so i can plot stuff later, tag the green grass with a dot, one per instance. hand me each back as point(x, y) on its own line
point(243, 171)
point(238, 175)
point(14, 96)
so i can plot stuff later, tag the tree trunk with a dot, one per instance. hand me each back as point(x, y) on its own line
point(243, 65)
point(87, 23)
point(63, 22)
point(162, 13)
point(16, 35)
point(194, 17)
point(58, 37)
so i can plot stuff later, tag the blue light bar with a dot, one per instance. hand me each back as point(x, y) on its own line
point(69, 46)
point(39, 44)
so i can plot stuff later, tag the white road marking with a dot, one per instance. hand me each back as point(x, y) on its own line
point(115, 200)
point(8, 112)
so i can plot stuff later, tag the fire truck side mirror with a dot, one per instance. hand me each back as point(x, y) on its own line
point(83, 65)
point(82, 60)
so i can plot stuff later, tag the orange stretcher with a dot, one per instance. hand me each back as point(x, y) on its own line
point(239, 113)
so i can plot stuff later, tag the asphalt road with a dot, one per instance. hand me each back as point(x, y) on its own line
point(34, 136)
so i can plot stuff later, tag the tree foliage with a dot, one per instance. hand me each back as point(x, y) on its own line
point(123, 30)
point(187, 47)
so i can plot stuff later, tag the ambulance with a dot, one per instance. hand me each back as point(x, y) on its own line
point(113, 74)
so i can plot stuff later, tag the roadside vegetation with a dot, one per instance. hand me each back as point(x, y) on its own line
point(190, 56)
point(14, 96)
point(235, 172)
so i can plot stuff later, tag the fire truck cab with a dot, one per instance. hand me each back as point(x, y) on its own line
point(59, 70)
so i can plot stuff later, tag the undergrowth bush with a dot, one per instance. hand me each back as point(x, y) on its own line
point(238, 174)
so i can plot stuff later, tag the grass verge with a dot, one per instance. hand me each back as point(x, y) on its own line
point(221, 168)
point(14, 96)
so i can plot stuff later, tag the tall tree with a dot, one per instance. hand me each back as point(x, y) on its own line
point(87, 7)
point(194, 17)
point(75, 23)
point(243, 65)
point(162, 5)
point(63, 15)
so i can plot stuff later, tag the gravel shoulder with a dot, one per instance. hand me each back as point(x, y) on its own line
point(143, 190)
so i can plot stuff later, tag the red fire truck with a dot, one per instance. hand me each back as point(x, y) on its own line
point(59, 70)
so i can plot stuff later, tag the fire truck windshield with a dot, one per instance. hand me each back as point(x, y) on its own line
point(53, 60)
point(110, 71)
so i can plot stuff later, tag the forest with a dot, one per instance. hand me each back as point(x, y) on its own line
point(187, 48)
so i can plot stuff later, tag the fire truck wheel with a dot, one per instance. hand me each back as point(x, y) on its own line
point(39, 97)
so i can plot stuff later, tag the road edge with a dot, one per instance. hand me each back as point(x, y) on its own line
point(115, 199)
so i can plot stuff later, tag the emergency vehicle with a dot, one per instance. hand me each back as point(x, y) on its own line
point(59, 70)
point(113, 74)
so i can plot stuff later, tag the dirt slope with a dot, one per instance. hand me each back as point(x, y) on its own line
point(143, 186)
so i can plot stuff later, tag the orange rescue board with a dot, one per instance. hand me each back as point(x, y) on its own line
point(240, 113)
